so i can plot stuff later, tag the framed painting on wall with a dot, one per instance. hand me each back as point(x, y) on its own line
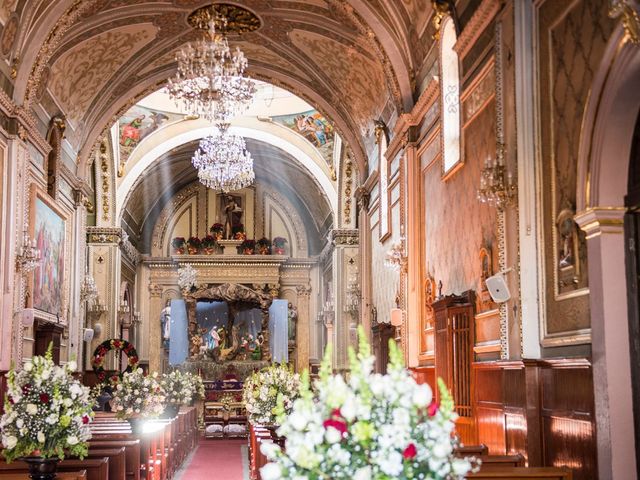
point(49, 231)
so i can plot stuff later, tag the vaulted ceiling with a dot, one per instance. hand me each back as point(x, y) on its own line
point(355, 60)
point(275, 168)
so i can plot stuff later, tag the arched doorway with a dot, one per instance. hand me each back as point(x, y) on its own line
point(603, 163)
point(632, 257)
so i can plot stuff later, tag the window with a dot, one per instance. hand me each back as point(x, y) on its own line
point(450, 96)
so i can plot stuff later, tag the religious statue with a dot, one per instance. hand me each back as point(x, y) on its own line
point(233, 216)
point(165, 319)
point(292, 321)
point(566, 229)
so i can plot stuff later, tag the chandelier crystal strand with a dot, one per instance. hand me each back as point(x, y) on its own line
point(223, 162)
point(210, 79)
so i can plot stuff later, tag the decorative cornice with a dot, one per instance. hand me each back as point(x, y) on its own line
point(345, 237)
point(630, 19)
point(109, 235)
point(26, 123)
point(480, 20)
point(129, 250)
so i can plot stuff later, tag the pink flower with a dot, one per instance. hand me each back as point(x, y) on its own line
point(432, 409)
point(337, 424)
point(85, 419)
point(409, 452)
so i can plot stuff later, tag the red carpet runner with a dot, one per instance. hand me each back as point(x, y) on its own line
point(215, 460)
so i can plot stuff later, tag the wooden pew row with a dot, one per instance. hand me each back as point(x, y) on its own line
point(500, 461)
point(80, 475)
point(132, 454)
point(471, 450)
point(96, 468)
point(116, 458)
point(522, 473)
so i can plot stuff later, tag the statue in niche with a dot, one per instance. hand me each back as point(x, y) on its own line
point(293, 322)
point(165, 319)
point(566, 230)
point(232, 214)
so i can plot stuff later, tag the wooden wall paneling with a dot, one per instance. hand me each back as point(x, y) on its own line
point(567, 411)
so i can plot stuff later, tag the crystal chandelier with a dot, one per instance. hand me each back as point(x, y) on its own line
point(88, 289)
point(223, 162)
point(496, 186)
point(28, 257)
point(210, 80)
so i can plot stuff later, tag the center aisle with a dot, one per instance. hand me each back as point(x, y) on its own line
point(216, 460)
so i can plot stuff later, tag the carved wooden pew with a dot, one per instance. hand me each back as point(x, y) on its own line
point(500, 461)
point(117, 460)
point(80, 475)
point(96, 468)
point(132, 454)
point(522, 473)
point(471, 450)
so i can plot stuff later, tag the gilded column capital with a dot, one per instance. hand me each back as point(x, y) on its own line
point(155, 290)
point(274, 289)
point(595, 221)
point(303, 290)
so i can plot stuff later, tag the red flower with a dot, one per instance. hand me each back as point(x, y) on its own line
point(409, 452)
point(336, 413)
point(116, 344)
point(133, 360)
point(85, 419)
point(337, 424)
point(44, 398)
point(432, 409)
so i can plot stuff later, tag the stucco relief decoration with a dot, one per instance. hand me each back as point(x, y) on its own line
point(7, 7)
point(80, 73)
point(359, 79)
point(9, 34)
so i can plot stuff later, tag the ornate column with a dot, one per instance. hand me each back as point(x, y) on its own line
point(363, 196)
point(155, 308)
point(104, 265)
point(302, 337)
point(345, 258)
point(610, 353)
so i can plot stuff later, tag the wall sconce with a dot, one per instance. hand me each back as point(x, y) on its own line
point(496, 185)
point(396, 257)
point(96, 310)
point(28, 256)
point(88, 289)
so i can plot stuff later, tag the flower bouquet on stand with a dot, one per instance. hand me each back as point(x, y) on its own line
point(248, 247)
point(193, 245)
point(263, 246)
point(237, 231)
point(209, 244)
point(278, 245)
point(217, 231)
point(138, 397)
point(178, 244)
point(265, 390)
point(177, 391)
point(367, 427)
point(46, 415)
point(196, 385)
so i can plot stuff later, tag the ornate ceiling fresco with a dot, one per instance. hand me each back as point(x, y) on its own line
point(96, 58)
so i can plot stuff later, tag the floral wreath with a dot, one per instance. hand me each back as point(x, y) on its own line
point(114, 344)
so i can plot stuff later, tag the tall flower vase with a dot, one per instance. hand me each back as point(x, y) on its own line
point(137, 425)
point(170, 411)
point(42, 468)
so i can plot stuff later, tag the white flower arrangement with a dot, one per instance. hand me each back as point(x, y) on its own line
point(176, 388)
point(196, 385)
point(138, 395)
point(264, 389)
point(367, 427)
point(47, 411)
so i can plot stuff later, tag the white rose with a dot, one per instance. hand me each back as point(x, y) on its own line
point(269, 449)
point(363, 473)
point(20, 423)
point(297, 421)
point(46, 374)
point(72, 365)
point(32, 409)
point(41, 437)
point(460, 466)
point(271, 471)
point(333, 435)
point(10, 442)
point(72, 440)
point(422, 396)
point(28, 367)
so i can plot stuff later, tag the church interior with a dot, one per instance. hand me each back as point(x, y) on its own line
point(217, 187)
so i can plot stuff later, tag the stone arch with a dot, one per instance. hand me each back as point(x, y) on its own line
point(603, 164)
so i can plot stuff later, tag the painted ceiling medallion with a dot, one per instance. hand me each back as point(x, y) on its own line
point(239, 20)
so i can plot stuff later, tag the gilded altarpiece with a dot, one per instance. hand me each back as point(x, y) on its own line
point(572, 37)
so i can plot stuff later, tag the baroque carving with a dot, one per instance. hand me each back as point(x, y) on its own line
point(110, 235)
point(344, 237)
point(630, 18)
